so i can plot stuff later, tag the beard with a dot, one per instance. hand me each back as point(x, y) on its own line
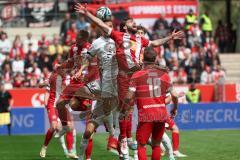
point(132, 30)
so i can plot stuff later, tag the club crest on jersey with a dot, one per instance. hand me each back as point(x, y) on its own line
point(133, 45)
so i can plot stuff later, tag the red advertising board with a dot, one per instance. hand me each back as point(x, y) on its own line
point(28, 97)
point(35, 97)
point(146, 12)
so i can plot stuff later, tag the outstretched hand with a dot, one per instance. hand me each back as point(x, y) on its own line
point(178, 34)
point(81, 8)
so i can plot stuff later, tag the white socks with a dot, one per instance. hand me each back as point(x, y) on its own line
point(63, 144)
point(167, 144)
point(74, 141)
point(83, 146)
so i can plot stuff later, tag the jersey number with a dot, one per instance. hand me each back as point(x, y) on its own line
point(154, 87)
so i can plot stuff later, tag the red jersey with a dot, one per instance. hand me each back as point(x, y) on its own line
point(128, 49)
point(150, 86)
point(76, 53)
point(93, 71)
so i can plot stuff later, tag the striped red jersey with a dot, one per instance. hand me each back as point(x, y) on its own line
point(150, 86)
point(128, 49)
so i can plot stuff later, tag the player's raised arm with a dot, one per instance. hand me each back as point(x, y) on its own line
point(174, 96)
point(83, 10)
point(84, 65)
point(174, 35)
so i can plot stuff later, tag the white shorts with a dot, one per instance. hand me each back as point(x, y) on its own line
point(104, 87)
point(98, 115)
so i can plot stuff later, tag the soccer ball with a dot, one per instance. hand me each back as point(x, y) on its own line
point(104, 13)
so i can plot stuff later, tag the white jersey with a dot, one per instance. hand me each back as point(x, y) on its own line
point(105, 50)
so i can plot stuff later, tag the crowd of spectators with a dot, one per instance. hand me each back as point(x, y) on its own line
point(195, 59)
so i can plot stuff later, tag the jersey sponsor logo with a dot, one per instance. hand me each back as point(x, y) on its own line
point(153, 106)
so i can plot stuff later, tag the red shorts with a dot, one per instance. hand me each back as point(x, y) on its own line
point(84, 104)
point(51, 110)
point(123, 87)
point(170, 122)
point(70, 91)
point(65, 116)
point(52, 115)
point(146, 129)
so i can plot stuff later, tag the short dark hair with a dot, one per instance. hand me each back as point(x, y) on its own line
point(149, 55)
point(123, 23)
point(83, 34)
point(142, 28)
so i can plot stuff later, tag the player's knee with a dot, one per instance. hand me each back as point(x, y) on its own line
point(141, 144)
point(60, 104)
point(175, 129)
point(74, 103)
point(156, 143)
point(87, 134)
point(54, 126)
point(70, 126)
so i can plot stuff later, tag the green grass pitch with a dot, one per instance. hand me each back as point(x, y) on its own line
point(198, 145)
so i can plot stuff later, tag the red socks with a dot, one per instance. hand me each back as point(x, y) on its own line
point(142, 155)
point(88, 151)
point(129, 126)
point(48, 137)
point(69, 140)
point(175, 141)
point(123, 128)
point(156, 153)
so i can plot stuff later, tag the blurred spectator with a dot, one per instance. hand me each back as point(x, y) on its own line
point(17, 65)
point(220, 36)
point(207, 76)
point(6, 75)
point(55, 47)
point(231, 38)
point(32, 80)
point(6, 61)
point(45, 74)
point(65, 26)
point(206, 25)
point(18, 41)
point(218, 74)
point(30, 44)
point(5, 44)
point(71, 35)
point(82, 24)
point(58, 60)
point(194, 35)
point(160, 20)
point(34, 71)
point(161, 31)
point(175, 24)
point(45, 62)
point(194, 77)
point(179, 76)
point(16, 50)
point(29, 61)
point(5, 105)
point(43, 43)
point(193, 95)
point(190, 19)
point(211, 53)
point(18, 81)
